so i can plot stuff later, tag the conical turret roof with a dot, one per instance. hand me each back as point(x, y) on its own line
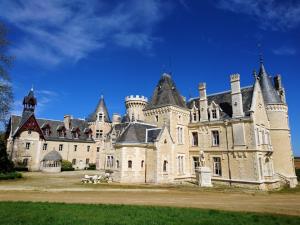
point(101, 108)
point(268, 90)
point(165, 94)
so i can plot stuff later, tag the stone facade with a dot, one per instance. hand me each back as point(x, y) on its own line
point(243, 135)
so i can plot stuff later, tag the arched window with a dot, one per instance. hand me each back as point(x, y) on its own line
point(129, 164)
point(165, 166)
point(118, 164)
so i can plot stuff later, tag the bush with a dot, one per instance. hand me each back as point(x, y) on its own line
point(6, 165)
point(10, 176)
point(21, 168)
point(92, 166)
point(66, 166)
point(298, 174)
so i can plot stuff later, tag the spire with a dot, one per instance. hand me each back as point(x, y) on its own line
point(100, 113)
point(29, 101)
point(165, 94)
point(268, 90)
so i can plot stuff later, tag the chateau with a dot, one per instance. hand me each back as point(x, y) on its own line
point(242, 135)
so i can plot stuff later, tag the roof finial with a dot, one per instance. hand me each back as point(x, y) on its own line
point(31, 87)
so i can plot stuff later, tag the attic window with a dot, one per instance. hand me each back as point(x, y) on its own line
point(100, 117)
point(214, 113)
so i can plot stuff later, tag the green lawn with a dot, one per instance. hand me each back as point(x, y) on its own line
point(57, 213)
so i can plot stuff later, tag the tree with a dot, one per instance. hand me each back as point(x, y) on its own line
point(6, 96)
point(5, 164)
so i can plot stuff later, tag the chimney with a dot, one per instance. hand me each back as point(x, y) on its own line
point(203, 102)
point(67, 121)
point(236, 96)
point(279, 87)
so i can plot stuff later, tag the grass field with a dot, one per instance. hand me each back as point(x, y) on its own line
point(18, 213)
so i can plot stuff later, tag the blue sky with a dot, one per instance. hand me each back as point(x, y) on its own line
point(74, 51)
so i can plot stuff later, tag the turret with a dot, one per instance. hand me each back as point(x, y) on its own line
point(101, 113)
point(29, 101)
point(134, 106)
point(277, 112)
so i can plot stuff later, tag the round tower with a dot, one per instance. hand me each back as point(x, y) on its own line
point(116, 119)
point(134, 107)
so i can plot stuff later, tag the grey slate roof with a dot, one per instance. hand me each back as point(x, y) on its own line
point(16, 121)
point(224, 101)
point(136, 133)
point(165, 94)
point(268, 90)
point(101, 107)
point(52, 156)
point(153, 134)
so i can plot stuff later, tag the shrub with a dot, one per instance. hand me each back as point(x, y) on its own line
point(298, 174)
point(10, 176)
point(66, 166)
point(6, 165)
point(92, 166)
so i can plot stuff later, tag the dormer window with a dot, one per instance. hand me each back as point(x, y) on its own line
point(100, 117)
point(88, 132)
point(214, 114)
point(61, 131)
point(46, 129)
point(75, 132)
point(214, 111)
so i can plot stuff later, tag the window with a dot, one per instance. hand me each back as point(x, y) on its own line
point(45, 146)
point(215, 138)
point(27, 145)
point(87, 161)
point(194, 138)
point(142, 164)
point(25, 162)
point(194, 117)
point(75, 148)
point(46, 132)
point(88, 148)
point(74, 162)
point(165, 166)
point(60, 147)
point(118, 164)
point(110, 161)
point(217, 166)
point(196, 162)
point(98, 149)
point(99, 133)
point(214, 114)
point(180, 162)
point(156, 118)
point(61, 133)
point(100, 117)
point(179, 135)
point(129, 164)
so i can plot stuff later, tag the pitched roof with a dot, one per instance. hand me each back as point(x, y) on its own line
point(101, 107)
point(166, 94)
point(268, 90)
point(136, 133)
point(16, 122)
point(224, 101)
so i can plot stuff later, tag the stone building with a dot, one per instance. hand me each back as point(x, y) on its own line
point(243, 133)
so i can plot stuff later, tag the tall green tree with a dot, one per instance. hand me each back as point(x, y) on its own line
point(6, 95)
point(5, 164)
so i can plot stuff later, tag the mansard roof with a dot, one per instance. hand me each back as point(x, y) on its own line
point(166, 94)
point(270, 95)
point(136, 133)
point(101, 107)
point(17, 121)
point(224, 101)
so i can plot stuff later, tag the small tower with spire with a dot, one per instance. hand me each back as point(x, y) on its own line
point(277, 112)
point(29, 101)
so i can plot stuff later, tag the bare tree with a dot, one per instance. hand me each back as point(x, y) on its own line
point(6, 95)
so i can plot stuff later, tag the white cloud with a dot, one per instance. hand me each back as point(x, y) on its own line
point(271, 14)
point(58, 30)
point(285, 50)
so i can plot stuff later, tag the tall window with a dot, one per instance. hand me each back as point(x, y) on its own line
point(215, 138)
point(60, 147)
point(45, 146)
point(87, 161)
point(165, 166)
point(142, 163)
point(98, 149)
point(118, 164)
point(27, 145)
point(156, 118)
point(110, 161)
point(100, 117)
point(25, 162)
point(75, 148)
point(129, 164)
point(74, 162)
point(217, 166)
point(194, 138)
point(214, 113)
point(180, 135)
point(196, 162)
point(180, 164)
point(194, 117)
point(88, 148)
